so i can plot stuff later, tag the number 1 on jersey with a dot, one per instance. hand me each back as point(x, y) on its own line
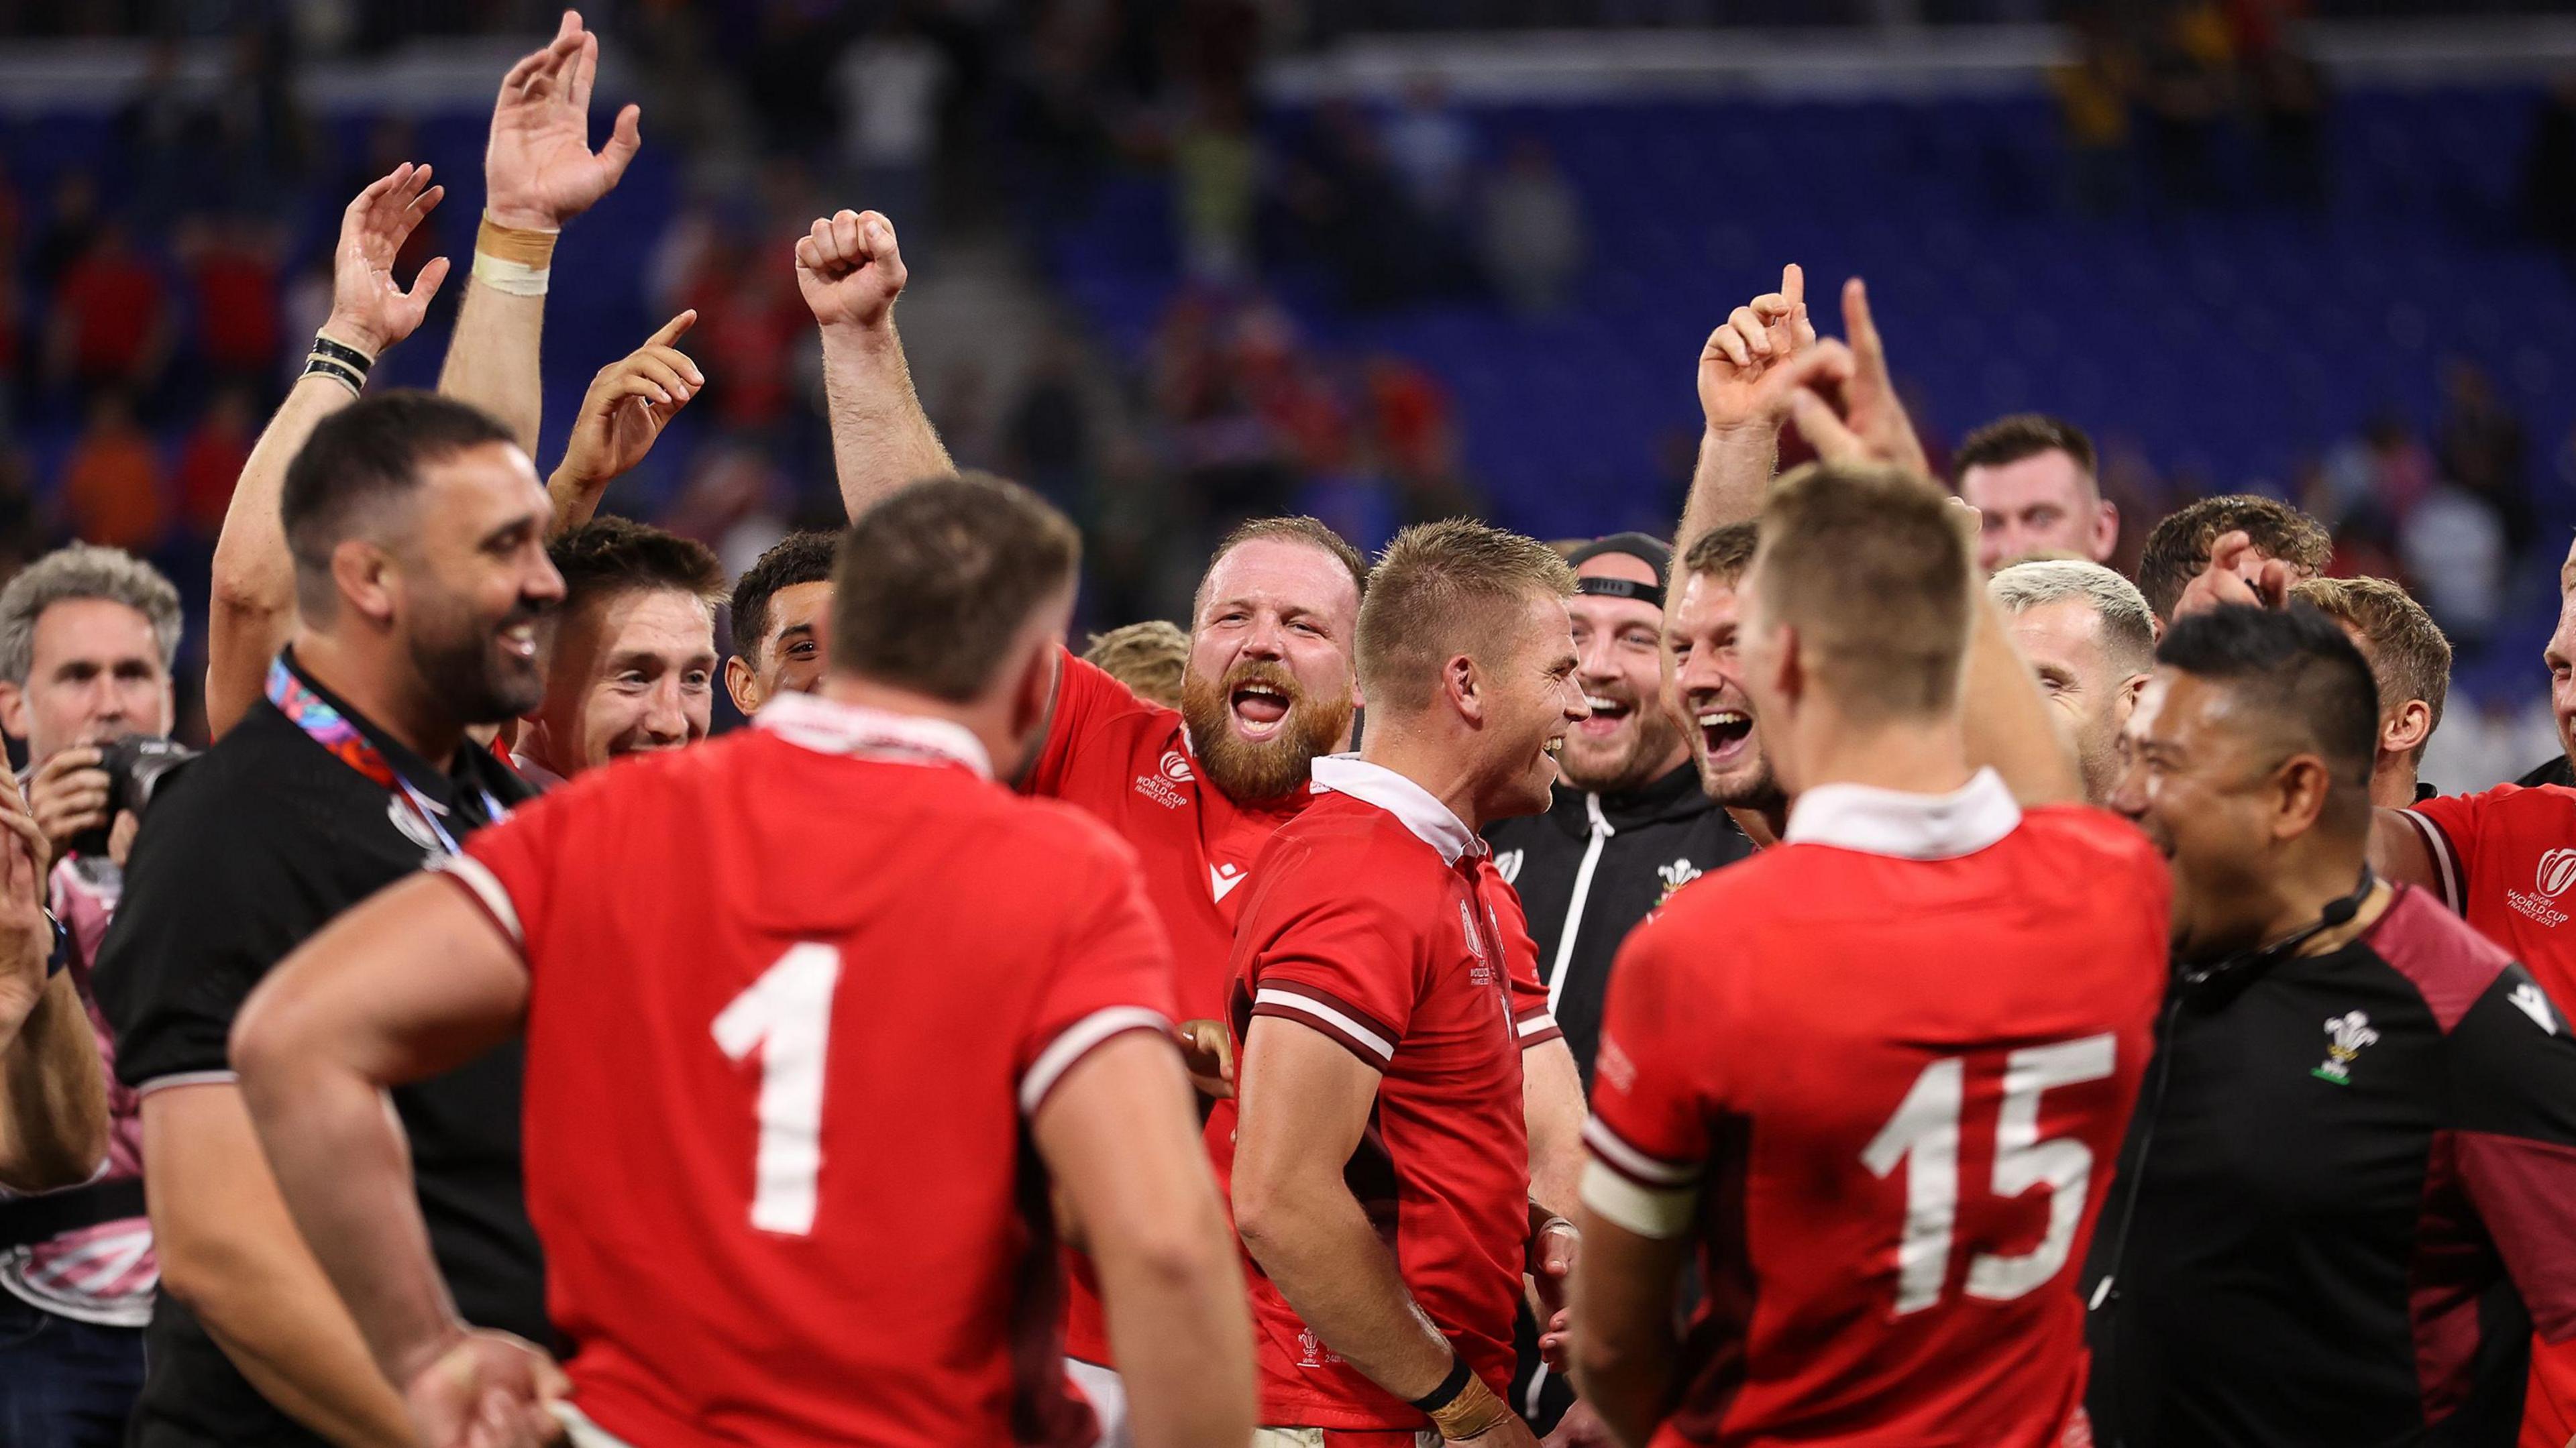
point(1924, 1135)
point(786, 1015)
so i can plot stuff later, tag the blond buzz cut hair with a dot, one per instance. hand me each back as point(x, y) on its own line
point(1871, 569)
point(2407, 652)
point(1444, 589)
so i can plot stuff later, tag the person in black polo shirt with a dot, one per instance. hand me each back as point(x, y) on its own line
point(417, 528)
point(2353, 1168)
point(1629, 824)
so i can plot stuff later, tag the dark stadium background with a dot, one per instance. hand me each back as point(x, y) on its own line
point(1180, 261)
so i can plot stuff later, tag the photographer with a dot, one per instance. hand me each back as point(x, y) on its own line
point(87, 639)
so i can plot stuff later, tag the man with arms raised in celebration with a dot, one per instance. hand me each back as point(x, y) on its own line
point(1939, 968)
point(860, 1006)
point(1198, 791)
point(1376, 1153)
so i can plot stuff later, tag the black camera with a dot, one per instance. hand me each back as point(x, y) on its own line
point(135, 767)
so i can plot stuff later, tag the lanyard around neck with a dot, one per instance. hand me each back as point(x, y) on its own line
point(331, 729)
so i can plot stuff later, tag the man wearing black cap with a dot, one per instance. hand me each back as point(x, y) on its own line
point(1630, 824)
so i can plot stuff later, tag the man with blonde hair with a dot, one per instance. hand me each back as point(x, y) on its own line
point(1380, 1169)
point(2411, 660)
point(2092, 644)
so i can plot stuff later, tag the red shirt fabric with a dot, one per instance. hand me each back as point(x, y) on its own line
point(747, 1033)
point(1880, 1074)
point(1127, 761)
point(1377, 919)
point(2504, 860)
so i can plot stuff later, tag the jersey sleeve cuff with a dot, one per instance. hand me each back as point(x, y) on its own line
point(486, 890)
point(1537, 1027)
point(1661, 1213)
point(2446, 860)
point(1339, 1021)
point(1077, 1041)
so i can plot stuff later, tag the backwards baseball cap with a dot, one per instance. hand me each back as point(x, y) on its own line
point(1655, 553)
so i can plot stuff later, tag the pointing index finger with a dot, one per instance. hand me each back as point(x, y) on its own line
point(674, 329)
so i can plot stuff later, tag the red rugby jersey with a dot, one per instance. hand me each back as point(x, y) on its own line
point(1881, 1074)
point(1378, 919)
point(795, 995)
point(2505, 859)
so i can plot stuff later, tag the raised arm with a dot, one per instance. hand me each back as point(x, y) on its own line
point(413, 982)
point(538, 173)
point(53, 1089)
point(851, 270)
point(254, 577)
point(1744, 398)
point(629, 403)
point(2009, 726)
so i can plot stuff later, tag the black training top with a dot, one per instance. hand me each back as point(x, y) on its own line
point(1594, 866)
point(245, 853)
point(2351, 1162)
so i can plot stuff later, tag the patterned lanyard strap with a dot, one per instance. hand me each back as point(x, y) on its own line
point(332, 730)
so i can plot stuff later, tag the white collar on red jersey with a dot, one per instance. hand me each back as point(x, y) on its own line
point(1907, 825)
point(829, 726)
point(1415, 807)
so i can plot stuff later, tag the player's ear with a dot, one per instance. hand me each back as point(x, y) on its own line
point(2400, 733)
point(1465, 687)
point(2299, 789)
point(2126, 700)
point(1032, 685)
point(362, 573)
point(13, 710)
point(739, 683)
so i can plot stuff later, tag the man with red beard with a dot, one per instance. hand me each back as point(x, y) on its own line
point(1198, 791)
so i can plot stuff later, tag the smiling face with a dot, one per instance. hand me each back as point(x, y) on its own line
point(1704, 687)
point(1270, 684)
point(2197, 781)
point(632, 672)
point(474, 588)
point(1630, 739)
point(2063, 642)
point(1532, 702)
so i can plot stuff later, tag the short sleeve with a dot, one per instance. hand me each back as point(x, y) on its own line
point(1648, 1136)
point(1532, 1019)
point(2448, 825)
point(1112, 975)
point(508, 868)
point(2513, 1068)
point(196, 937)
point(1087, 698)
point(1334, 959)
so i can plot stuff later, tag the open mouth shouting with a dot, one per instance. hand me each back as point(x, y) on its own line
point(1725, 730)
point(1259, 708)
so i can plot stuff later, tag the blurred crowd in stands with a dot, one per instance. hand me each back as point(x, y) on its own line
point(142, 320)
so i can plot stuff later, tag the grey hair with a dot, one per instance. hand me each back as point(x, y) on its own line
point(83, 570)
point(2128, 629)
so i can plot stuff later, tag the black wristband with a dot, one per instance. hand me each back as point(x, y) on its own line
point(342, 352)
point(338, 371)
point(1449, 1389)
